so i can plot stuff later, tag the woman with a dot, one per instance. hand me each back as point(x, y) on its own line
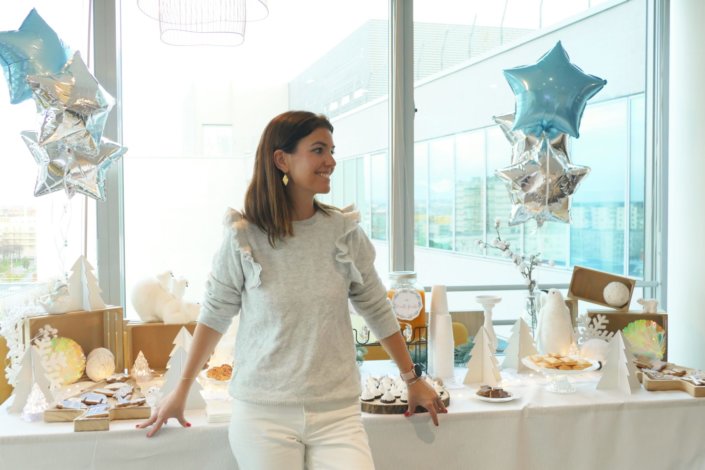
point(288, 265)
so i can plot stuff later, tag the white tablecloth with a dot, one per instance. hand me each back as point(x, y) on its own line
point(588, 430)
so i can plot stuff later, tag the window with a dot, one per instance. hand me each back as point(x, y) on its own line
point(460, 50)
point(40, 237)
point(192, 120)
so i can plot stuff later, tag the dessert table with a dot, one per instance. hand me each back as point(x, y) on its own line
point(587, 429)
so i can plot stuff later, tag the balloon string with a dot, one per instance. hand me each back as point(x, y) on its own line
point(61, 242)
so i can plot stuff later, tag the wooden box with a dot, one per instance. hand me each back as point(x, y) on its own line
point(95, 329)
point(589, 284)
point(618, 321)
point(155, 340)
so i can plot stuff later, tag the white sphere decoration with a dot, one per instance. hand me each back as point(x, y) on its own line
point(595, 348)
point(100, 364)
point(616, 294)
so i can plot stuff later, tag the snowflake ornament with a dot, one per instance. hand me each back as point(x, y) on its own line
point(592, 328)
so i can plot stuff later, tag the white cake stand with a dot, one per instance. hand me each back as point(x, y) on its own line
point(488, 302)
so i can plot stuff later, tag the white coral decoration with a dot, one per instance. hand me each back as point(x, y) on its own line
point(589, 328)
point(525, 264)
point(13, 310)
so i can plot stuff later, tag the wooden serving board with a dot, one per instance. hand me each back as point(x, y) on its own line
point(671, 383)
point(396, 408)
point(83, 423)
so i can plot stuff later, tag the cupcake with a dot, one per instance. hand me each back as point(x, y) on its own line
point(367, 395)
point(378, 391)
point(388, 397)
point(404, 396)
point(387, 382)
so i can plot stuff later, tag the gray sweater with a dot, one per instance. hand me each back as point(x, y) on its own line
point(294, 342)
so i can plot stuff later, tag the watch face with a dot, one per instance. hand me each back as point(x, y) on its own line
point(407, 304)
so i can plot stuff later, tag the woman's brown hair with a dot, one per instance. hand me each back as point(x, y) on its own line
point(266, 202)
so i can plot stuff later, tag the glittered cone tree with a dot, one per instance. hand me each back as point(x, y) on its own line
point(521, 344)
point(482, 366)
point(83, 287)
point(619, 372)
point(31, 373)
point(174, 375)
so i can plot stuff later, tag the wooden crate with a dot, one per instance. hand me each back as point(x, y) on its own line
point(588, 285)
point(155, 340)
point(619, 320)
point(5, 388)
point(95, 329)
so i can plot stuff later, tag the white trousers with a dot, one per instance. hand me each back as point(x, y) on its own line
point(314, 437)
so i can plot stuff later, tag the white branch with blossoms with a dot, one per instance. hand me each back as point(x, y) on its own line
point(524, 263)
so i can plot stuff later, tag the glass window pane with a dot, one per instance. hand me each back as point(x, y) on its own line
point(597, 231)
point(499, 206)
point(460, 51)
point(441, 193)
point(469, 186)
point(40, 237)
point(421, 194)
point(193, 119)
point(637, 184)
point(379, 180)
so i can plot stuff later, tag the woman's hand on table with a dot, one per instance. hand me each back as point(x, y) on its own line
point(420, 393)
point(171, 406)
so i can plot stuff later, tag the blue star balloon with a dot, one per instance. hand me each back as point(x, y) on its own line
point(34, 49)
point(551, 95)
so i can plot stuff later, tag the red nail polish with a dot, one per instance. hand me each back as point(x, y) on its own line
point(407, 414)
point(188, 425)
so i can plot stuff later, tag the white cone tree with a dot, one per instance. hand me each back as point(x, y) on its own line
point(83, 287)
point(521, 344)
point(174, 375)
point(619, 372)
point(183, 339)
point(31, 372)
point(482, 366)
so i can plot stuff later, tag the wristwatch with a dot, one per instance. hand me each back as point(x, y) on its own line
point(415, 372)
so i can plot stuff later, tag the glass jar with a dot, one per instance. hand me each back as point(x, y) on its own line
point(408, 302)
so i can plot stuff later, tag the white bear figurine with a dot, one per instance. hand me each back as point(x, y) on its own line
point(161, 299)
point(555, 330)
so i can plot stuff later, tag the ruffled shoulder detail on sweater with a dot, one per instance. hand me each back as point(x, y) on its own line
point(237, 224)
point(351, 220)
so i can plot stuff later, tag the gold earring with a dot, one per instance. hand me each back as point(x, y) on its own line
point(285, 179)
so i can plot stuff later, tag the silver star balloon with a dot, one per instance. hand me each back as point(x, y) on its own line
point(74, 106)
point(541, 187)
point(525, 145)
point(64, 167)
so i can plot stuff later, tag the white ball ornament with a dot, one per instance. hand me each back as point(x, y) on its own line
point(616, 294)
point(100, 364)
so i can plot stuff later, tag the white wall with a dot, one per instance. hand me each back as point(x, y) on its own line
point(686, 167)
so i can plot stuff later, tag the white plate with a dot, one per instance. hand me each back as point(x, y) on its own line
point(594, 365)
point(513, 396)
